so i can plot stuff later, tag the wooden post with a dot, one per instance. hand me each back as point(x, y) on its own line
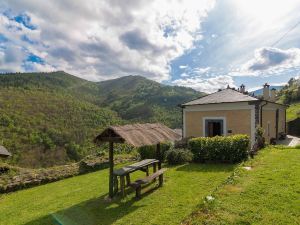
point(111, 169)
point(122, 184)
point(158, 155)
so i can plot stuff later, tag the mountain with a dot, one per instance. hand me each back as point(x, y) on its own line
point(259, 92)
point(51, 118)
point(136, 99)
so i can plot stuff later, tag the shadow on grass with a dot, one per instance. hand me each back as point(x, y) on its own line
point(208, 167)
point(94, 211)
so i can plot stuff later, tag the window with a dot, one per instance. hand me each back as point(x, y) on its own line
point(214, 127)
point(268, 128)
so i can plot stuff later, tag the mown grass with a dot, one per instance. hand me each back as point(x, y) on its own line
point(81, 199)
point(269, 193)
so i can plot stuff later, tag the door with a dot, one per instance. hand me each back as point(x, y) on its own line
point(213, 128)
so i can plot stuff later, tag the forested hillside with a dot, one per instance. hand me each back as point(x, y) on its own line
point(43, 128)
point(136, 98)
point(51, 118)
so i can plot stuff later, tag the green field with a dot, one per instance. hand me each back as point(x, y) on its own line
point(80, 200)
point(269, 193)
point(293, 111)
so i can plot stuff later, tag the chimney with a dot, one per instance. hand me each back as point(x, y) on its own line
point(266, 91)
point(273, 95)
point(242, 88)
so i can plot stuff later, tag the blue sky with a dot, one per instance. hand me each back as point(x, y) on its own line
point(204, 44)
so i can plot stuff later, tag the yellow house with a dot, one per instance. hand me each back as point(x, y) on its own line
point(231, 111)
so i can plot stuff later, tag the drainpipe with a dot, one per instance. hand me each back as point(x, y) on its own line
point(285, 121)
point(181, 106)
point(261, 107)
point(182, 128)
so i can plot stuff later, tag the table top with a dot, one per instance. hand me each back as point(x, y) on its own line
point(133, 167)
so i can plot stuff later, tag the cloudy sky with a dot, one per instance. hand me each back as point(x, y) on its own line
point(203, 44)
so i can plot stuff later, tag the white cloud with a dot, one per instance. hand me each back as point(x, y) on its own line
point(184, 75)
point(183, 66)
point(103, 39)
point(206, 85)
point(273, 58)
point(200, 70)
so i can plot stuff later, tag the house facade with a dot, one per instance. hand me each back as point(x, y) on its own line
point(229, 112)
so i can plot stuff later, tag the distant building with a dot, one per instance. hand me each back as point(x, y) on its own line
point(231, 111)
point(3, 152)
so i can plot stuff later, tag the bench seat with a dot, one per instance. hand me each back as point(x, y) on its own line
point(137, 185)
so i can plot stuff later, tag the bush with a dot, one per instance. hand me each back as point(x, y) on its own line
point(149, 152)
point(259, 139)
point(221, 149)
point(178, 156)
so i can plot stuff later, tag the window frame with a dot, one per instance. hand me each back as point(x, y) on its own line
point(214, 118)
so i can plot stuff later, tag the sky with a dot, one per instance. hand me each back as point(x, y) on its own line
point(202, 44)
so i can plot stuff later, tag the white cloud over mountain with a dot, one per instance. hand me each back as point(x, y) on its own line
point(100, 39)
point(207, 85)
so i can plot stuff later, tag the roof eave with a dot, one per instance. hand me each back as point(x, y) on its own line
point(214, 103)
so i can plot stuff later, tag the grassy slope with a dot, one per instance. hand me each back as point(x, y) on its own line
point(293, 111)
point(267, 194)
point(81, 199)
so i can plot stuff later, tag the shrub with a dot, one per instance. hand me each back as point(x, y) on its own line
point(259, 139)
point(178, 156)
point(149, 152)
point(73, 151)
point(221, 149)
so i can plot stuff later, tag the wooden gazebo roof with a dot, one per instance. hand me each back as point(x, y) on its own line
point(138, 134)
point(4, 152)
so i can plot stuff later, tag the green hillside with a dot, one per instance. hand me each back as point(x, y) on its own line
point(43, 128)
point(293, 111)
point(290, 94)
point(136, 98)
point(51, 118)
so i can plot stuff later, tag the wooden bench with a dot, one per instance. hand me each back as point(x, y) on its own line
point(137, 185)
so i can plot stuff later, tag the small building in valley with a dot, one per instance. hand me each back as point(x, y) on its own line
point(231, 111)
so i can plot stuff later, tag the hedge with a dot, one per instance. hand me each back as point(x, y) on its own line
point(231, 149)
point(149, 152)
point(176, 156)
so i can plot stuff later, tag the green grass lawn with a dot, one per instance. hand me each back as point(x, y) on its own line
point(80, 200)
point(267, 194)
point(293, 111)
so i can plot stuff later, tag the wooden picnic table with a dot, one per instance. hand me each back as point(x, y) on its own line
point(126, 170)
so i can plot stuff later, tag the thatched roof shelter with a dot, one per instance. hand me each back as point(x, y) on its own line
point(136, 135)
point(4, 152)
